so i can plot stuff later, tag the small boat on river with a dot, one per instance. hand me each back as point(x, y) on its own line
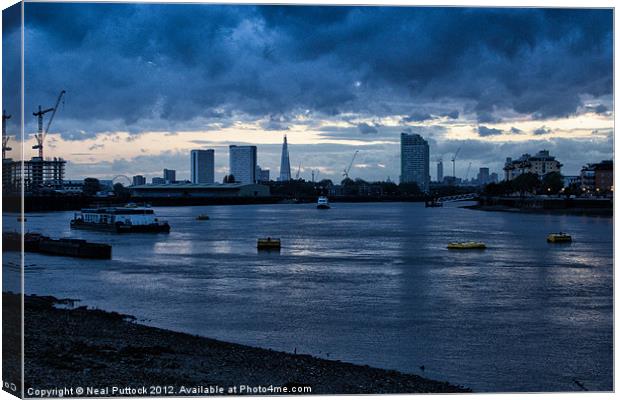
point(322, 203)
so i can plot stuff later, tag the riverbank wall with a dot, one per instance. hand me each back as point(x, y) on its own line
point(540, 204)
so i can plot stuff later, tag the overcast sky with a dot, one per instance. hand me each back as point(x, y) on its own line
point(146, 83)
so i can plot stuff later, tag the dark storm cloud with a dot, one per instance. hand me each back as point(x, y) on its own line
point(276, 123)
point(162, 67)
point(11, 67)
point(543, 130)
point(598, 109)
point(417, 117)
point(454, 114)
point(365, 128)
point(485, 131)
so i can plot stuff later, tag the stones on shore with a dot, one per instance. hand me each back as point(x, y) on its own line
point(106, 348)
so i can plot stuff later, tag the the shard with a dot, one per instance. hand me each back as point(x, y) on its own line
point(285, 165)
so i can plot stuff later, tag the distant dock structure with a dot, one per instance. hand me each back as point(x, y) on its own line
point(199, 191)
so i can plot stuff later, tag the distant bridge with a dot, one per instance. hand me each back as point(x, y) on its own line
point(458, 197)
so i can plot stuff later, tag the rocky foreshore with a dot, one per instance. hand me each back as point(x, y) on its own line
point(98, 350)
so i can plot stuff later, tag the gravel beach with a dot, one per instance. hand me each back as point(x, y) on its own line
point(106, 351)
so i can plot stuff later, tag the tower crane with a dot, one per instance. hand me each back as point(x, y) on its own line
point(454, 162)
point(5, 138)
point(315, 174)
point(468, 168)
point(298, 171)
point(346, 171)
point(40, 135)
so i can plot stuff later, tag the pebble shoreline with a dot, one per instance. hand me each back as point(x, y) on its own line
point(80, 347)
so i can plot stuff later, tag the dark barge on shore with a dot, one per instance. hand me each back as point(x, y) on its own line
point(37, 243)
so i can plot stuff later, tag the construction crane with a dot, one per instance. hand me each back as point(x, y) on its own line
point(346, 171)
point(454, 162)
point(298, 171)
point(40, 135)
point(5, 138)
point(315, 174)
point(468, 168)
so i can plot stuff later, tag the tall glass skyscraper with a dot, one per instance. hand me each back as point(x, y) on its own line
point(203, 166)
point(285, 164)
point(414, 161)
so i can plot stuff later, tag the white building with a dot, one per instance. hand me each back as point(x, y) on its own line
point(414, 161)
point(540, 164)
point(242, 161)
point(203, 166)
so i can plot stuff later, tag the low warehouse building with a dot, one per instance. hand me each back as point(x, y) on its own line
point(199, 190)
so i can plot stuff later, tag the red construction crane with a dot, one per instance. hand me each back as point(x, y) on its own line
point(40, 135)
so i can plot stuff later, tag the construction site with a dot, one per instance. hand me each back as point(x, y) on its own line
point(39, 174)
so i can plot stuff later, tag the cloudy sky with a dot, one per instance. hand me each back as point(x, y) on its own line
point(147, 83)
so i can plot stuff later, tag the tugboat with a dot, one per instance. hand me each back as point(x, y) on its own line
point(128, 219)
point(322, 203)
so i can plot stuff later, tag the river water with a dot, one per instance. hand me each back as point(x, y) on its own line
point(366, 283)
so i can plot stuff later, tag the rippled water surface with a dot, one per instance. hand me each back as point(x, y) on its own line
point(366, 283)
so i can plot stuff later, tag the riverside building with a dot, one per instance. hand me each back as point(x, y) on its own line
point(170, 175)
point(203, 166)
point(414, 161)
point(242, 161)
point(541, 164)
point(138, 180)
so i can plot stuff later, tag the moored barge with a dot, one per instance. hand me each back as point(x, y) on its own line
point(128, 219)
point(37, 243)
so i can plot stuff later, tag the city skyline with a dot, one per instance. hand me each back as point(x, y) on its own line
point(549, 87)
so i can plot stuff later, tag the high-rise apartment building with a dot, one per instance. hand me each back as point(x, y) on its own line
point(202, 166)
point(483, 176)
point(440, 170)
point(414, 161)
point(242, 161)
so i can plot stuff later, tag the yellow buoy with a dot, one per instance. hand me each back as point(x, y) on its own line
point(268, 244)
point(560, 237)
point(466, 245)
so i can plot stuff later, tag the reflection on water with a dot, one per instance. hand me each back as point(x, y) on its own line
point(367, 283)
